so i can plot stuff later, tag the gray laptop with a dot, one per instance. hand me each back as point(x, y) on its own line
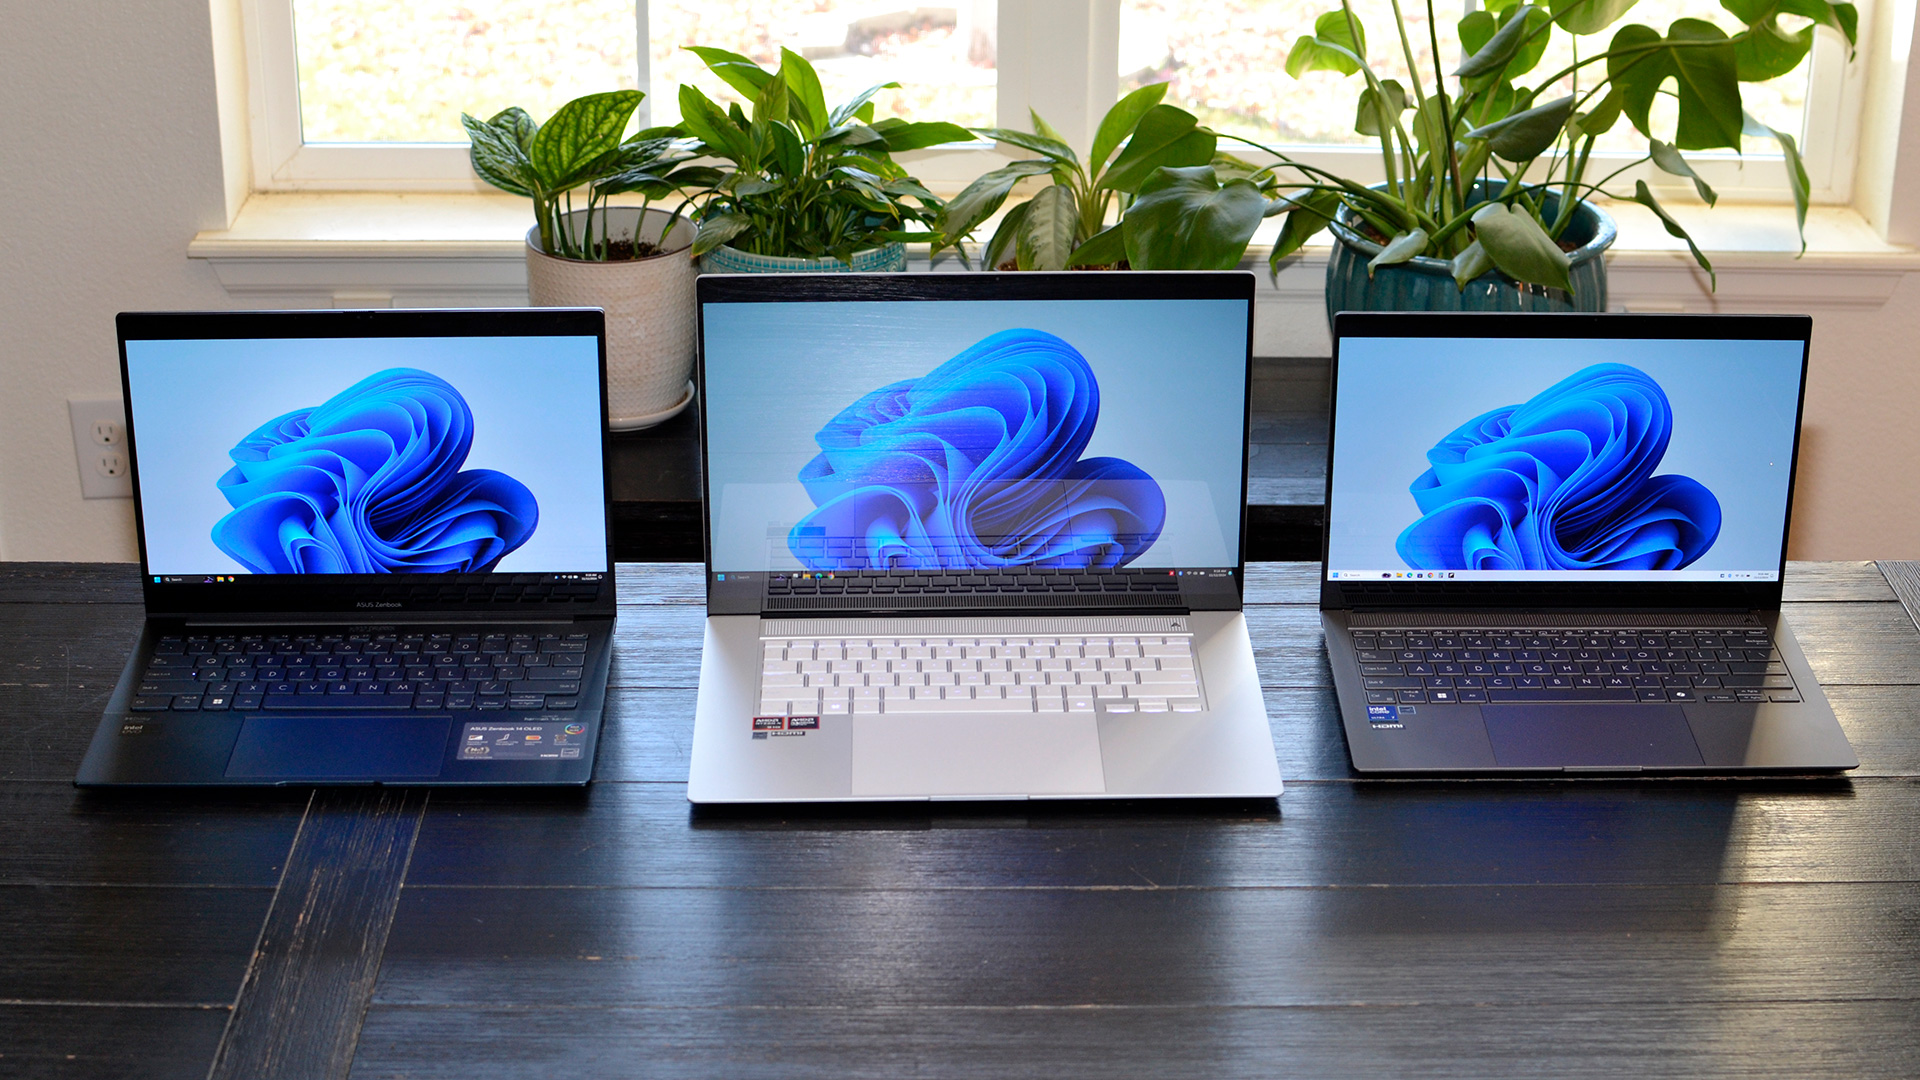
point(1555, 543)
point(976, 536)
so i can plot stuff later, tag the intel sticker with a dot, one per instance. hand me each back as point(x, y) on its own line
point(1383, 714)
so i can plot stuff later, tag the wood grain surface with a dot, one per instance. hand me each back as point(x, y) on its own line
point(1694, 927)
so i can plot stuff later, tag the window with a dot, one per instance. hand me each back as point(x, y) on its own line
point(367, 93)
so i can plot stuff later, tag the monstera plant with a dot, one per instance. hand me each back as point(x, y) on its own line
point(1484, 168)
point(801, 179)
point(1155, 161)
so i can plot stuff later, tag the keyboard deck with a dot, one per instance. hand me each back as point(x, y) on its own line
point(802, 676)
point(1452, 665)
point(480, 669)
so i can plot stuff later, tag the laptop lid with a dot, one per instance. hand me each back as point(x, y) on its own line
point(374, 463)
point(1561, 461)
point(1012, 442)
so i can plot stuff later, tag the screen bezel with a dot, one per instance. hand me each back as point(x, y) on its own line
point(1234, 285)
point(284, 595)
point(1760, 595)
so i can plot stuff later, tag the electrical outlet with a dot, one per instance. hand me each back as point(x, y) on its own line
point(100, 446)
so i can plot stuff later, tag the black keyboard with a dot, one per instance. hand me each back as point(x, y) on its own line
point(1474, 666)
point(457, 670)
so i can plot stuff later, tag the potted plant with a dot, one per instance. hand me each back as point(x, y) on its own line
point(804, 186)
point(1487, 185)
point(1154, 161)
point(633, 261)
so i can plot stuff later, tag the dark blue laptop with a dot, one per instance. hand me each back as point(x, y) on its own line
point(374, 547)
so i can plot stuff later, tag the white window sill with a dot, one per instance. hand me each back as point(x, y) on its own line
point(366, 249)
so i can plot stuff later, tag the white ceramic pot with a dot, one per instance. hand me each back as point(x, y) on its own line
point(649, 306)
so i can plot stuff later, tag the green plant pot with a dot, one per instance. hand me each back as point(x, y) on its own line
point(886, 259)
point(1426, 284)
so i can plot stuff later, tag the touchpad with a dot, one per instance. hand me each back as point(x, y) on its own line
point(1550, 736)
point(339, 748)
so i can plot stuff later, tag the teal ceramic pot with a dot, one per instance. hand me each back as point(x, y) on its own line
point(888, 258)
point(1425, 284)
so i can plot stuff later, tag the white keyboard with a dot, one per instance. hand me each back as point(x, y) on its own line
point(1149, 673)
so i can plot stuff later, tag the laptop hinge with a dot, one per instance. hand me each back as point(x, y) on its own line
point(365, 619)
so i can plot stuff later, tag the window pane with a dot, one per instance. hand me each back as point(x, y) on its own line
point(404, 70)
point(943, 57)
point(1226, 61)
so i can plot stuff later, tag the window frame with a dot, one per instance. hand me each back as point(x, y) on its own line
point(1070, 81)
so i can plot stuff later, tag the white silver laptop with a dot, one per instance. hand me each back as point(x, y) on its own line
point(976, 536)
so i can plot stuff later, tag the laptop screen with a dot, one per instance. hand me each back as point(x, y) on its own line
point(1587, 458)
point(977, 436)
point(474, 457)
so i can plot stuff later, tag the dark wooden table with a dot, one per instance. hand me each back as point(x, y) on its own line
point(1581, 928)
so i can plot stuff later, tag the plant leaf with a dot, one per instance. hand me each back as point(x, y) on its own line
point(1526, 135)
point(1375, 115)
point(1164, 137)
point(1470, 263)
point(770, 107)
point(1797, 181)
point(809, 102)
point(900, 135)
point(712, 127)
point(1399, 250)
point(1598, 120)
point(1044, 129)
point(1120, 122)
point(1105, 248)
point(1331, 47)
point(1644, 196)
point(863, 100)
point(1670, 161)
point(564, 149)
point(1476, 28)
point(1520, 247)
point(737, 71)
point(497, 155)
point(1636, 75)
point(1005, 238)
point(1039, 144)
point(1766, 51)
point(1185, 219)
point(1500, 48)
point(1309, 214)
point(1708, 81)
point(716, 231)
point(1588, 16)
point(977, 202)
point(1046, 239)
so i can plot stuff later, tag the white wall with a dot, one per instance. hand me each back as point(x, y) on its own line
point(109, 155)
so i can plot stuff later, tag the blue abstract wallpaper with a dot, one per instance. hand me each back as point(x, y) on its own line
point(976, 465)
point(370, 483)
point(1564, 481)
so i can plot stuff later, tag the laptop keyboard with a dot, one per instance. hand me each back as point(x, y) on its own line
point(905, 675)
point(1454, 665)
point(482, 669)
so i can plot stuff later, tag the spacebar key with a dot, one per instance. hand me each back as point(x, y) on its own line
point(336, 702)
point(1498, 696)
point(960, 705)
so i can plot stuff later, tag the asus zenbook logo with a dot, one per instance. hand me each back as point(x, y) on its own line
point(378, 604)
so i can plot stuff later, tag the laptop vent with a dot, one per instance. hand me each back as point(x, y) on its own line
point(979, 602)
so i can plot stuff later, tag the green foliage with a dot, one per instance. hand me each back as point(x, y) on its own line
point(800, 178)
point(1156, 162)
point(1440, 199)
point(579, 147)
